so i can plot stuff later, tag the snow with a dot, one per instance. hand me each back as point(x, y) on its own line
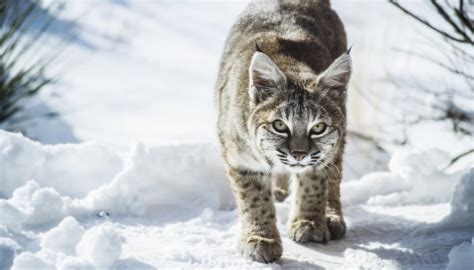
point(75, 263)
point(63, 238)
point(462, 256)
point(28, 260)
point(101, 246)
point(411, 171)
point(156, 177)
point(172, 206)
point(37, 205)
point(69, 246)
point(138, 74)
point(50, 166)
point(11, 217)
point(462, 204)
point(8, 249)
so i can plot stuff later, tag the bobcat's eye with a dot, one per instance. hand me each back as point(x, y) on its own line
point(280, 126)
point(318, 129)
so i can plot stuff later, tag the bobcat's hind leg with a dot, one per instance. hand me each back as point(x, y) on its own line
point(280, 187)
point(335, 219)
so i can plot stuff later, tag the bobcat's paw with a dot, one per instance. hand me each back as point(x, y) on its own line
point(261, 249)
point(309, 231)
point(336, 226)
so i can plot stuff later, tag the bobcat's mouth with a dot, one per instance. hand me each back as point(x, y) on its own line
point(294, 167)
point(297, 165)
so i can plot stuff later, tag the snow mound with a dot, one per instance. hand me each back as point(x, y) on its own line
point(411, 171)
point(63, 238)
point(188, 177)
point(38, 205)
point(75, 263)
point(69, 246)
point(28, 260)
point(101, 246)
point(183, 176)
point(462, 257)
point(11, 217)
point(418, 163)
point(72, 169)
point(462, 204)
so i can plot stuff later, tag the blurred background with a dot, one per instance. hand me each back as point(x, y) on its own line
point(121, 71)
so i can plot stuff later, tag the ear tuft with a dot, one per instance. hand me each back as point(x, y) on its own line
point(349, 50)
point(337, 75)
point(264, 76)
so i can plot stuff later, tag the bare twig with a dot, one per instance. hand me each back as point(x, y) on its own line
point(450, 21)
point(439, 63)
point(462, 16)
point(458, 157)
point(429, 25)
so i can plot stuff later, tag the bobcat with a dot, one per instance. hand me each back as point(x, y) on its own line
point(281, 94)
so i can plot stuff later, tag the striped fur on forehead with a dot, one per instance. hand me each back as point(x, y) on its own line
point(298, 101)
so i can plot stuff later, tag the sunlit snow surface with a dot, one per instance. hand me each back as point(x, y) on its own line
point(144, 71)
point(171, 206)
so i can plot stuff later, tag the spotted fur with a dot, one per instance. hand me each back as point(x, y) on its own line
point(284, 61)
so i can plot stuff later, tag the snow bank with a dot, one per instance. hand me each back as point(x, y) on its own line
point(178, 181)
point(61, 182)
point(72, 169)
point(411, 172)
point(183, 176)
point(462, 257)
point(188, 177)
point(462, 205)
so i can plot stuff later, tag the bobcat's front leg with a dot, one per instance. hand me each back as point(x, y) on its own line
point(260, 239)
point(307, 221)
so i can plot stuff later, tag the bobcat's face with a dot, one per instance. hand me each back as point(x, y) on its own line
point(297, 131)
point(296, 125)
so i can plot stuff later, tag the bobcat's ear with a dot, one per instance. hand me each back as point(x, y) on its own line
point(337, 75)
point(264, 77)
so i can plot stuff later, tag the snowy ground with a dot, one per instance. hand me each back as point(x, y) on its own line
point(170, 206)
point(137, 71)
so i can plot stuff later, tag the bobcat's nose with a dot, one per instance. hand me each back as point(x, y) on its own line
point(299, 155)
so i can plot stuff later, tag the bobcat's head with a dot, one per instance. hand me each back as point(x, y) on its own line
point(297, 124)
